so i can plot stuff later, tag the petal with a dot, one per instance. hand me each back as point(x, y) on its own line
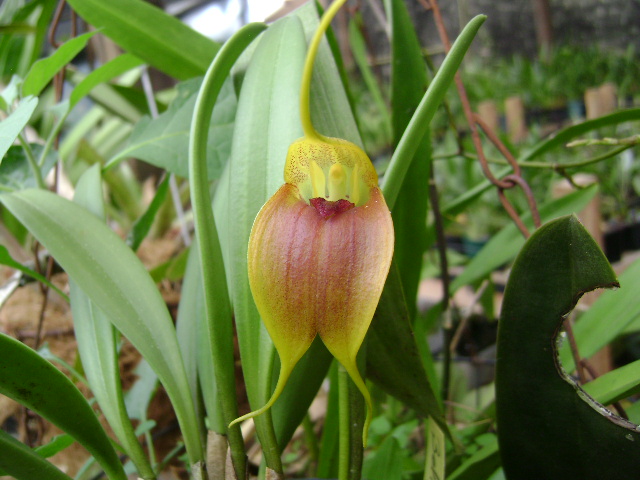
point(311, 275)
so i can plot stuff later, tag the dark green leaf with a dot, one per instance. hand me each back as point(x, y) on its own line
point(393, 360)
point(142, 226)
point(22, 463)
point(408, 84)
point(44, 70)
point(548, 427)
point(150, 34)
point(32, 381)
point(480, 465)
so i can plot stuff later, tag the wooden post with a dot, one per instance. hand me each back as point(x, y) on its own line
point(488, 111)
point(515, 116)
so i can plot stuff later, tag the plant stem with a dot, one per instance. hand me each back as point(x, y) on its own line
point(218, 310)
point(344, 415)
point(307, 73)
point(32, 162)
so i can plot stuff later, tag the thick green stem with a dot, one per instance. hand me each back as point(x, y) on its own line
point(218, 309)
point(344, 415)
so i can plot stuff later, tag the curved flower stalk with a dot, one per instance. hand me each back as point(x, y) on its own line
point(320, 249)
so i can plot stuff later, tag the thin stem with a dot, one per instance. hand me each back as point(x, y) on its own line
point(307, 73)
point(33, 164)
point(218, 310)
point(344, 415)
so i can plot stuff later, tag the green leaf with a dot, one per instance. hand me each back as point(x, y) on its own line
point(616, 385)
point(150, 34)
point(620, 307)
point(408, 84)
point(104, 73)
point(216, 324)
point(118, 283)
point(55, 445)
point(11, 126)
point(419, 124)
point(359, 50)
point(5, 259)
point(35, 383)
point(505, 245)
point(15, 171)
point(393, 360)
point(164, 142)
point(481, 464)
point(22, 463)
point(548, 427)
point(142, 226)
point(44, 70)
point(97, 341)
point(385, 463)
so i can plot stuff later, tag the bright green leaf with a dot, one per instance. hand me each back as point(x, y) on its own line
point(11, 126)
point(150, 34)
point(45, 69)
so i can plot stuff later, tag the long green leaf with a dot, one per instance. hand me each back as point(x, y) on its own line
point(616, 385)
point(266, 123)
point(408, 84)
point(504, 246)
point(547, 426)
point(117, 66)
point(393, 360)
point(44, 70)
point(419, 124)
point(33, 382)
point(117, 282)
point(97, 344)
point(22, 463)
point(218, 324)
point(11, 126)
point(150, 34)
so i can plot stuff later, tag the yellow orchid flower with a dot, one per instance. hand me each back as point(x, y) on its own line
point(320, 249)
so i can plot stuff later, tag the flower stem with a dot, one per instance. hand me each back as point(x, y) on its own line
point(307, 73)
point(344, 415)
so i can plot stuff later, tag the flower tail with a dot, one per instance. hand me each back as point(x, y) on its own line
point(354, 373)
point(285, 371)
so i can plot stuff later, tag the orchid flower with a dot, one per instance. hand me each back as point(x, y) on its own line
point(320, 249)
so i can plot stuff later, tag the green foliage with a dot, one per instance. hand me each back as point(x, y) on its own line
point(222, 133)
